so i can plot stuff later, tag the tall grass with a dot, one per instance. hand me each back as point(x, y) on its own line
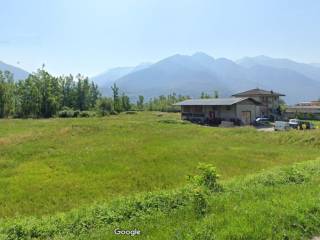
point(54, 165)
point(276, 204)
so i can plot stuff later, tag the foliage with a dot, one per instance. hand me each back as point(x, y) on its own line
point(280, 212)
point(42, 95)
point(116, 98)
point(205, 95)
point(140, 102)
point(105, 106)
point(208, 178)
point(200, 202)
point(165, 103)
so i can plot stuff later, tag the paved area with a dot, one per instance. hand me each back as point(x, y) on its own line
point(266, 129)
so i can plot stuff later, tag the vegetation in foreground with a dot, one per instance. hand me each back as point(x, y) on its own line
point(278, 204)
point(55, 165)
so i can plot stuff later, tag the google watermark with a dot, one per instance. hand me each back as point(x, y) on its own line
point(132, 233)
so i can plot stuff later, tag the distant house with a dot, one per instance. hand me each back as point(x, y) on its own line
point(304, 110)
point(311, 103)
point(242, 110)
point(270, 101)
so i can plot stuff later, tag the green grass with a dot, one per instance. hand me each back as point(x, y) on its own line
point(249, 208)
point(279, 204)
point(49, 166)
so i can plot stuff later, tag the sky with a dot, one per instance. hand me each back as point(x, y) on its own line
point(91, 36)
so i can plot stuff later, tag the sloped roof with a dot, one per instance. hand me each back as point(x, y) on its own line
point(257, 92)
point(214, 102)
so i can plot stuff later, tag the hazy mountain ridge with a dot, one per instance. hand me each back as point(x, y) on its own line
point(309, 70)
point(18, 73)
point(190, 75)
point(113, 74)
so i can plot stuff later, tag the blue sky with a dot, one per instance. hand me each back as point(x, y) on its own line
point(90, 36)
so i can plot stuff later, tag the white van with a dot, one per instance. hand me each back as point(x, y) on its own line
point(281, 126)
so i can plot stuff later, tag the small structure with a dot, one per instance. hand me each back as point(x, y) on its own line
point(311, 103)
point(303, 112)
point(238, 110)
point(270, 101)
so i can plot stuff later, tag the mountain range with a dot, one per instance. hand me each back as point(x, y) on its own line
point(18, 73)
point(191, 75)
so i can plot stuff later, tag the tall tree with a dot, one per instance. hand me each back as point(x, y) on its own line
point(116, 99)
point(125, 102)
point(215, 94)
point(140, 102)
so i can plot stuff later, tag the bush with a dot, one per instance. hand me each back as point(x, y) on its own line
point(66, 114)
point(84, 114)
point(200, 202)
point(208, 178)
point(104, 106)
point(74, 114)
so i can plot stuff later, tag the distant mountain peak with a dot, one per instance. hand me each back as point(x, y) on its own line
point(192, 74)
point(201, 54)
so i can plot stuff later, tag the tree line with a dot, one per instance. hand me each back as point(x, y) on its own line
point(42, 95)
point(120, 102)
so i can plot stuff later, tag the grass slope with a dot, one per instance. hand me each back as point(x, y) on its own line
point(279, 204)
point(54, 165)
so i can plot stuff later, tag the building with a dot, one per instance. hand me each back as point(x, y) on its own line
point(304, 110)
point(311, 103)
point(238, 110)
point(270, 101)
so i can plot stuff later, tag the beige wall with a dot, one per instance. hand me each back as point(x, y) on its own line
point(225, 112)
point(247, 106)
point(269, 104)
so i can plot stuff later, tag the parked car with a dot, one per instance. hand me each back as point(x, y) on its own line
point(281, 126)
point(300, 124)
point(294, 123)
point(262, 121)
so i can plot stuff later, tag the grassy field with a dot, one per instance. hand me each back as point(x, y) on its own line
point(259, 210)
point(282, 203)
point(54, 165)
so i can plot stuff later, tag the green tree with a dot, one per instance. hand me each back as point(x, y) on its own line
point(43, 95)
point(116, 98)
point(140, 102)
point(7, 94)
point(215, 94)
point(125, 102)
point(204, 95)
point(105, 106)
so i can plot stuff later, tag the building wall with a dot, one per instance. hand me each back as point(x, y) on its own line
point(220, 112)
point(270, 104)
point(228, 112)
point(247, 106)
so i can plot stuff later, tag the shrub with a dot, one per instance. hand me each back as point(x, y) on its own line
point(66, 114)
point(104, 106)
point(200, 202)
point(86, 114)
point(208, 178)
